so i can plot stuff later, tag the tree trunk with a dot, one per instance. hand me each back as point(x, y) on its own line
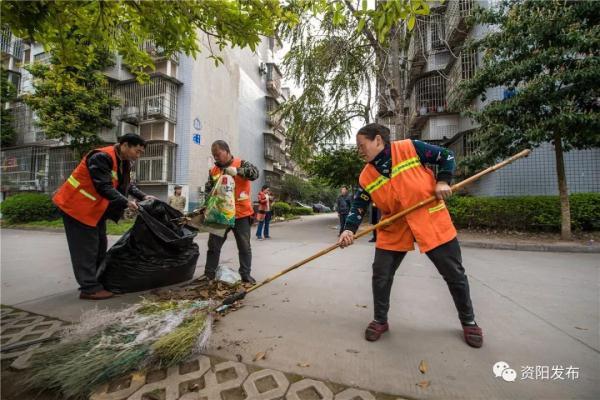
point(397, 82)
point(563, 190)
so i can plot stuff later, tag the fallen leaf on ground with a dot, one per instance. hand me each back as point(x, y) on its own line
point(239, 357)
point(361, 306)
point(581, 329)
point(423, 384)
point(260, 356)
point(423, 366)
point(303, 365)
point(352, 351)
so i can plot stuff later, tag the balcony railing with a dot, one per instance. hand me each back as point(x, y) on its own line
point(157, 165)
point(11, 45)
point(428, 97)
point(157, 52)
point(463, 69)
point(154, 100)
point(456, 12)
point(273, 179)
point(273, 149)
point(273, 80)
point(24, 168)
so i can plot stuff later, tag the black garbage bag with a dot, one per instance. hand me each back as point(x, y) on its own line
point(155, 252)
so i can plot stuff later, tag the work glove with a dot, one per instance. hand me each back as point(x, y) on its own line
point(231, 171)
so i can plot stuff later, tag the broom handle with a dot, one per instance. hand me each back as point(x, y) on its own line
point(394, 217)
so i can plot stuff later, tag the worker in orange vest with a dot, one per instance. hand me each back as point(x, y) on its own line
point(243, 173)
point(97, 190)
point(395, 177)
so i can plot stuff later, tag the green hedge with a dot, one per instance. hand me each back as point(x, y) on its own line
point(301, 211)
point(27, 207)
point(524, 213)
point(280, 208)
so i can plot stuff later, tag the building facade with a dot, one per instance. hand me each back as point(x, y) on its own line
point(436, 63)
point(187, 104)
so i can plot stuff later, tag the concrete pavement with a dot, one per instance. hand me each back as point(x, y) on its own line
point(538, 310)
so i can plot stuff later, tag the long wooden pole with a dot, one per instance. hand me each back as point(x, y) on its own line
point(384, 222)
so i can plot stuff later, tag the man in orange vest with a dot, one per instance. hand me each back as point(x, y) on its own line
point(243, 173)
point(97, 190)
point(395, 177)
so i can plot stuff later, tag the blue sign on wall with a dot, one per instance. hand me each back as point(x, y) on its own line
point(197, 138)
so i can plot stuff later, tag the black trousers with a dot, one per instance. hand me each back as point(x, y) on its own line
point(87, 246)
point(241, 231)
point(343, 217)
point(448, 261)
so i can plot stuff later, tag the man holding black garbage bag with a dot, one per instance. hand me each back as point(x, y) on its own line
point(97, 190)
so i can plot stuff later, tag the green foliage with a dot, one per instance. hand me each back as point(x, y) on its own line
point(335, 57)
point(280, 208)
point(300, 211)
point(74, 31)
point(312, 191)
point(548, 52)
point(8, 93)
point(337, 167)
point(25, 207)
point(524, 213)
point(71, 104)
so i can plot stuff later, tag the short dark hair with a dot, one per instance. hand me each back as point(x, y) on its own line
point(221, 144)
point(264, 187)
point(372, 130)
point(132, 140)
point(344, 187)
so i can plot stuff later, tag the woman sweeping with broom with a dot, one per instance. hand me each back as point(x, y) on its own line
point(395, 178)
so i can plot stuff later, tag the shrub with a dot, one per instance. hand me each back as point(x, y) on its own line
point(301, 211)
point(280, 208)
point(524, 213)
point(26, 207)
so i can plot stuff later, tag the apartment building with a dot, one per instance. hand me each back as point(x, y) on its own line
point(436, 64)
point(187, 104)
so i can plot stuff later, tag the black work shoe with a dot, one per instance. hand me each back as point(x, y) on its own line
point(248, 279)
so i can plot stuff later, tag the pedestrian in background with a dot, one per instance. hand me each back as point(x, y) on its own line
point(374, 221)
point(177, 201)
point(342, 206)
point(264, 214)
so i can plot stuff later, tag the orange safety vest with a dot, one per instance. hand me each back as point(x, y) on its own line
point(243, 203)
point(78, 197)
point(410, 182)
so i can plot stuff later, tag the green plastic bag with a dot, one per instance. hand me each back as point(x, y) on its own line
point(220, 206)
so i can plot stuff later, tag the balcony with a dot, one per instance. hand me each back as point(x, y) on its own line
point(10, 45)
point(428, 97)
point(463, 69)
point(24, 168)
point(156, 100)
point(427, 48)
point(157, 165)
point(157, 52)
point(273, 149)
point(273, 116)
point(273, 80)
point(273, 179)
point(456, 13)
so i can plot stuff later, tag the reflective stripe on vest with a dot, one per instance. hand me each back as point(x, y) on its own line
point(381, 180)
point(437, 208)
point(75, 183)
